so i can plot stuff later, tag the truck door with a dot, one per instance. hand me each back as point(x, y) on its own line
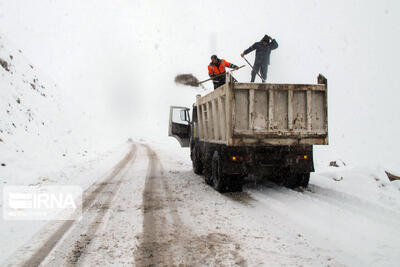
point(179, 125)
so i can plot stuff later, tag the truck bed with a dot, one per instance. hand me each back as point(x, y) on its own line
point(242, 114)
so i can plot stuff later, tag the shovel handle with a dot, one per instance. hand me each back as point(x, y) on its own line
point(219, 75)
point(253, 68)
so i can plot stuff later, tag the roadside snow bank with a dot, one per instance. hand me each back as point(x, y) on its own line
point(369, 183)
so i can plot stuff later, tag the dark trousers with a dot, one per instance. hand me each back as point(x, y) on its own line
point(257, 66)
point(219, 81)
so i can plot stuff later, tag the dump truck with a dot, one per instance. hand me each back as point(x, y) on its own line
point(263, 129)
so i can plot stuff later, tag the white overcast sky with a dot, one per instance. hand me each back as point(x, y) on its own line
point(117, 59)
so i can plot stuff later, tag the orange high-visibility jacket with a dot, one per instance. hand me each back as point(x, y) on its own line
point(218, 68)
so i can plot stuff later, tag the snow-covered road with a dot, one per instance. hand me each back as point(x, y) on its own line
point(151, 209)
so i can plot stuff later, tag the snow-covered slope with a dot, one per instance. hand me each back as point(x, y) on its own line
point(40, 140)
point(38, 133)
point(32, 124)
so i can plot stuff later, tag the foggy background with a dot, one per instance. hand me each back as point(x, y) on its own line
point(115, 61)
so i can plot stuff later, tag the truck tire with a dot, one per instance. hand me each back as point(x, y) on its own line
point(223, 182)
point(218, 179)
point(196, 161)
point(207, 168)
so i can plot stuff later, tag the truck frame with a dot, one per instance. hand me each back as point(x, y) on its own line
point(259, 129)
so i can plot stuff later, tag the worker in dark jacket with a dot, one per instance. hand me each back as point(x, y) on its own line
point(263, 52)
point(217, 67)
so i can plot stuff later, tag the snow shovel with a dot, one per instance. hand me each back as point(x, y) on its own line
point(253, 69)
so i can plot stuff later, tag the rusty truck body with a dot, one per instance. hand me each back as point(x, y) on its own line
point(262, 129)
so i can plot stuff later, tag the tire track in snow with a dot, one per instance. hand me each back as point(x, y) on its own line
point(117, 237)
point(166, 240)
point(153, 200)
point(90, 196)
point(112, 186)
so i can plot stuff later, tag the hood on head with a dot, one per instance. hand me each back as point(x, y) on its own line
point(265, 39)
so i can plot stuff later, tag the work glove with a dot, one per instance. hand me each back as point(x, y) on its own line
point(212, 75)
point(242, 54)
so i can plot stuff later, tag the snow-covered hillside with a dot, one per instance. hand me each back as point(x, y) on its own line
point(38, 134)
point(40, 140)
point(32, 125)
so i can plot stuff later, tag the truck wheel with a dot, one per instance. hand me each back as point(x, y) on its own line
point(196, 161)
point(216, 173)
point(208, 179)
point(207, 169)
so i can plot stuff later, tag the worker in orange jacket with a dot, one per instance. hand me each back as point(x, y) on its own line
point(217, 67)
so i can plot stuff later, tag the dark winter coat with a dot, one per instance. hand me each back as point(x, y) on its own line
point(263, 52)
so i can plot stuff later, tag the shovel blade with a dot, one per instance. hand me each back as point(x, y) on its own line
point(187, 79)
